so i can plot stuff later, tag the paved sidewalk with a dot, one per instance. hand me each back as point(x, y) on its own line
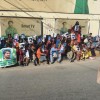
point(65, 81)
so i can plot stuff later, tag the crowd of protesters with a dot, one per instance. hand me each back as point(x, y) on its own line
point(70, 45)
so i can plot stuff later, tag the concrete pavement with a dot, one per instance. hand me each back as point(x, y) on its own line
point(65, 81)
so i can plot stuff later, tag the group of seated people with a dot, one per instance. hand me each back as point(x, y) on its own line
point(49, 48)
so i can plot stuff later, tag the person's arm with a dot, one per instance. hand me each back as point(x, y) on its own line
point(57, 49)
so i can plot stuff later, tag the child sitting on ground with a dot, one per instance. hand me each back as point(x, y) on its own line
point(77, 50)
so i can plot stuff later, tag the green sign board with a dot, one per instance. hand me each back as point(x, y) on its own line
point(8, 57)
point(81, 7)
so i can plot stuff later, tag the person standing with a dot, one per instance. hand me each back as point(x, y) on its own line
point(77, 30)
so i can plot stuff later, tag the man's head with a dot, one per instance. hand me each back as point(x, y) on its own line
point(10, 23)
point(77, 23)
point(90, 34)
point(64, 24)
point(7, 54)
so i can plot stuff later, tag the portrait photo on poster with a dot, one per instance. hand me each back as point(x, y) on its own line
point(30, 40)
point(6, 54)
point(22, 46)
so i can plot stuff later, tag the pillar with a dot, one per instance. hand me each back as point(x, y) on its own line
point(48, 26)
point(94, 27)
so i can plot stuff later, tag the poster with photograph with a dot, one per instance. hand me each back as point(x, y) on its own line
point(16, 37)
point(23, 36)
point(22, 46)
point(7, 57)
point(30, 40)
point(21, 26)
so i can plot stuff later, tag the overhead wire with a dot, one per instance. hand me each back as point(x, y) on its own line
point(37, 21)
point(55, 14)
point(59, 17)
point(38, 15)
point(10, 18)
point(26, 12)
point(20, 9)
point(81, 9)
point(16, 22)
point(27, 8)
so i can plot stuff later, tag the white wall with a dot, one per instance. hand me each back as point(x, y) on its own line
point(94, 6)
point(48, 26)
point(71, 22)
point(94, 27)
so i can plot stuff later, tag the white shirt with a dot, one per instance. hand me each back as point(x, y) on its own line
point(27, 54)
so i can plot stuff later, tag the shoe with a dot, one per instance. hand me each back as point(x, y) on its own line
point(71, 60)
point(35, 64)
point(48, 63)
point(51, 62)
point(91, 58)
point(59, 61)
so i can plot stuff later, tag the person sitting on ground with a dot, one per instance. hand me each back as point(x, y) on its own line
point(85, 52)
point(90, 37)
point(92, 49)
point(21, 57)
point(26, 57)
point(48, 47)
point(53, 53)
point(33, 55)
point(39, 53)
point(61, 52)
point(77, 50)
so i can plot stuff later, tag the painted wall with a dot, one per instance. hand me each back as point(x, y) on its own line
point(22, 25)
point(70, 23)
point(33, 27)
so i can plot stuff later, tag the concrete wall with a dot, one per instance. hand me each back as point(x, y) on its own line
point(66, 6)
point(33, 26)
point(50, 24)
point(23, 25)
point(94, 27)
point(88, 26)
point(70, 23)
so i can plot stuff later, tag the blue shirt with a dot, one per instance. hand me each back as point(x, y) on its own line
point(53, 50)
point(57, 43)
